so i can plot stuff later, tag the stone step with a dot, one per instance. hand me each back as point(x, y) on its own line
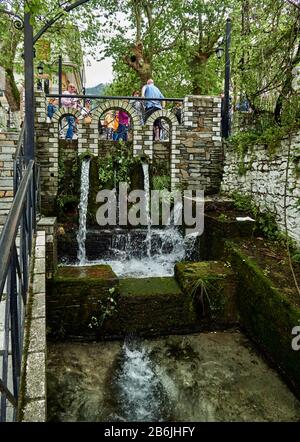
point(148, 307)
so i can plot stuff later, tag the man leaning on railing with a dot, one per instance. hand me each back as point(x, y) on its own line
point(73, 103)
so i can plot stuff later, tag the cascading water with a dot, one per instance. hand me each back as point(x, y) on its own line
point(138, 253)
point(147, 204)
point(141, 396)
point(84, 196)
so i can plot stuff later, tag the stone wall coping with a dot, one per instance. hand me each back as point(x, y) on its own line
point(47, 221)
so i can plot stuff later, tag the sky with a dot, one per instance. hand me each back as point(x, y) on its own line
point(98, 72)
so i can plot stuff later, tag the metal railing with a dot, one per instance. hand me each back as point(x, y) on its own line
point(99, 99)
point(15, 248)
point(164, 131)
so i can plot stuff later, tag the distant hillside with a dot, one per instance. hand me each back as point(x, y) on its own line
point(96, 90)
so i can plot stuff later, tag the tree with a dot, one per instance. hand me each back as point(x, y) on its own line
point(203, 25)
point(147, 36)
point(265, 50)
point(10, 38)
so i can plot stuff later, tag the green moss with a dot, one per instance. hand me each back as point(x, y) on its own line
point(211, 287)
point(68, 184)
point(149, 287)
point(85, 273)
point(245, 142)
point(93, 190)
point(266, 314)
point(144, 306)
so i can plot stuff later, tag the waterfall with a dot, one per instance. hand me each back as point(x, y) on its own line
point(142, 252)
point(141, 395)
point(83, 205)
point(147, 208)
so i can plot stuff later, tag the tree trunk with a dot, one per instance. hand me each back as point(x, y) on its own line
point(137, 60)
point(12, 93)
point(197, 69)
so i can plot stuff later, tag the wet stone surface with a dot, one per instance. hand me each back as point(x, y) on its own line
point(202, 377)
point(95, 272)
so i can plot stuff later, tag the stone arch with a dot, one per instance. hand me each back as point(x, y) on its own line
point(130, 110)
point(116, 104)
point(163, 113)
point(173, 124)
point(64, 112)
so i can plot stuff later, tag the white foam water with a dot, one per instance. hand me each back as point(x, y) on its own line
point(83, 205)
point(162, 247)
point(141, 395)
point(147, 208)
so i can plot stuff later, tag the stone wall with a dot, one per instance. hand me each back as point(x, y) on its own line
point(196, 162)
point(47, 155)
point(194, 147)
point(265, 180)
point(8, 143)
point(162, 152)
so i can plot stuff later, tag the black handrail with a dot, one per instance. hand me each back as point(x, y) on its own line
point(100, 97)
point(14, 277)
point(10, 229)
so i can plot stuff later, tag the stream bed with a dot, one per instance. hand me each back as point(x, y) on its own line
point(202, 377)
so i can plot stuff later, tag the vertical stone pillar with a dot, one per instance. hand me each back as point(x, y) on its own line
point(197, 161)
point(8, 143)
point(46, 154)
point(88, 137)
point(49, 226)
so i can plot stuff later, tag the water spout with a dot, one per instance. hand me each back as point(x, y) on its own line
point(83, 205)
point(147, 208)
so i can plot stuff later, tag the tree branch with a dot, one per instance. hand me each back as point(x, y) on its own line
point(291, 2)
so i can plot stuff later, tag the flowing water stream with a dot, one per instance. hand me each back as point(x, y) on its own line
point(147, 208)
point(156, 254)
point(83, 205)
point(215, 377)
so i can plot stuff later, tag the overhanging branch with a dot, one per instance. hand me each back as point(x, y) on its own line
point(57, 17)
point(292, 2)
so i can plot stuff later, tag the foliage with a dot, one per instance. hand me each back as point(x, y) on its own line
point(243, 202)
point(161, 182)
point(296, 257)
point(266, 48)
point(116, 167)
point(107, 309)
point(223, 217)
point(271, 137)
point(200, 289)
point(265, 221)
point(174, 41)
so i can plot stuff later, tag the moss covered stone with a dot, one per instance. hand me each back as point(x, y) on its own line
point(148, 307)
point(93, 190)
point(267, 315)
point(211, 288)
point(98, 273)
point(73, 298)
point(217, 231)
point(154, 306)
